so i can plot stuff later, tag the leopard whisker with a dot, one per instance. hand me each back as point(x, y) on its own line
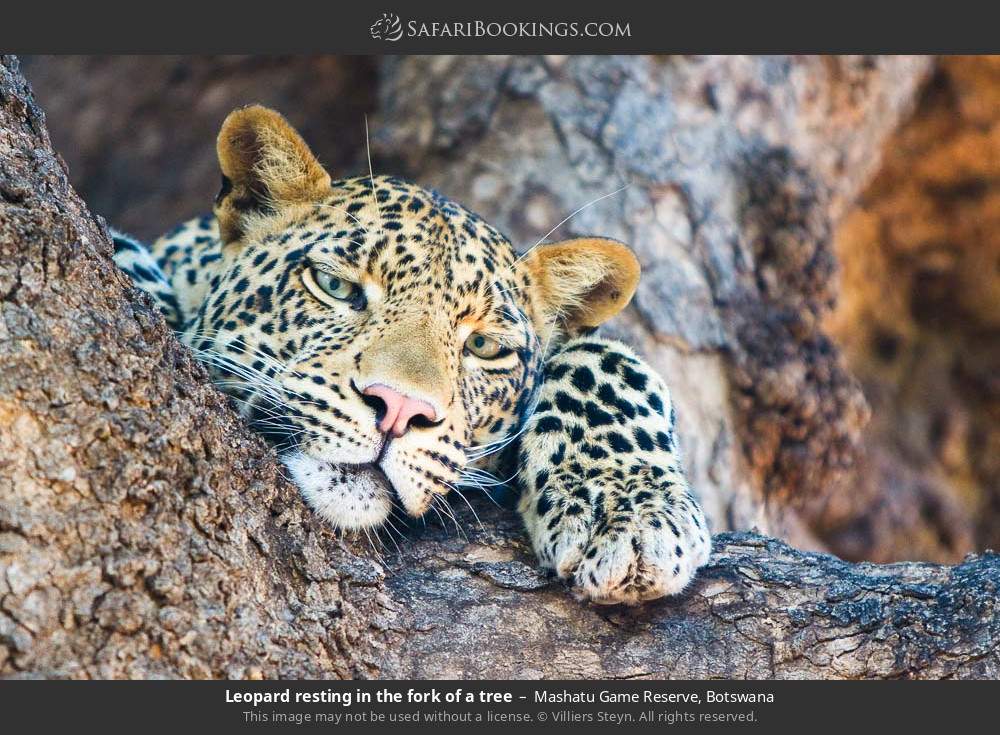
point(378, 556)
point(482, 479)
point(388, 526)
point(449, 511)
point(440, 517)
point(473, 483)
point(501, 444)
point(294, 434)
point(371, 176)
point(239, 342)
point(485, 479)
point(268, 412)
point(462, 496)
point(566, 219)
point(218, 360)
point(248, 388)
point(278, 391)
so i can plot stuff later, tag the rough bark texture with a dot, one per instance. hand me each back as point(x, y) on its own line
point(145, 532)
point(919, 321)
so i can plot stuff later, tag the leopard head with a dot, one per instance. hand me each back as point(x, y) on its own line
point(386, 338)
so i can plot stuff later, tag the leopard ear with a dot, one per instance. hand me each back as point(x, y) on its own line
point(264, 163)
point(582, 283)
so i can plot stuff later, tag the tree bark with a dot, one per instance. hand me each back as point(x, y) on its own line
point(145, 532)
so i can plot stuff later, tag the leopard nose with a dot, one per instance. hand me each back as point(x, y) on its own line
point(401, 411)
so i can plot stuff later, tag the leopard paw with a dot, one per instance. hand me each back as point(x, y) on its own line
point(631, 566)
point(560, 532)
point(627, 543)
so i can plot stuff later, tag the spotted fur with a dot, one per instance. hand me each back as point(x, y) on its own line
point(586, 424)
point(604, 495)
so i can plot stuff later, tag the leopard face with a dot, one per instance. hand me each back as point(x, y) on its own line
point(380, 284)
point(384, 337)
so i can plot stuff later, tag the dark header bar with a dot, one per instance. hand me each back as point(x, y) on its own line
point(395, 27)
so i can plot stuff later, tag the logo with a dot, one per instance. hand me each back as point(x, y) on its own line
point(387, 28)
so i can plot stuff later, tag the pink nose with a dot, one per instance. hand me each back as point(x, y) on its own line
point(399, 409)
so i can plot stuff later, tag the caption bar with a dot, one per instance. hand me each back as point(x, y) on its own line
point(463, 705)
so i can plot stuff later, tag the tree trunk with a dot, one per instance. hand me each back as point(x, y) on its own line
point(144, 531)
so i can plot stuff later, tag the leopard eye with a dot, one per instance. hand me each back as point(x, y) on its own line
point(336, 287)
point(485, 347)
point(325, 286)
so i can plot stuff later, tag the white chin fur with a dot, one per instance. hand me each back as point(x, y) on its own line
point(346, 497)
point(414, 499)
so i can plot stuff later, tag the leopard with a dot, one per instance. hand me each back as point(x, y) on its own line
point(394, 347)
